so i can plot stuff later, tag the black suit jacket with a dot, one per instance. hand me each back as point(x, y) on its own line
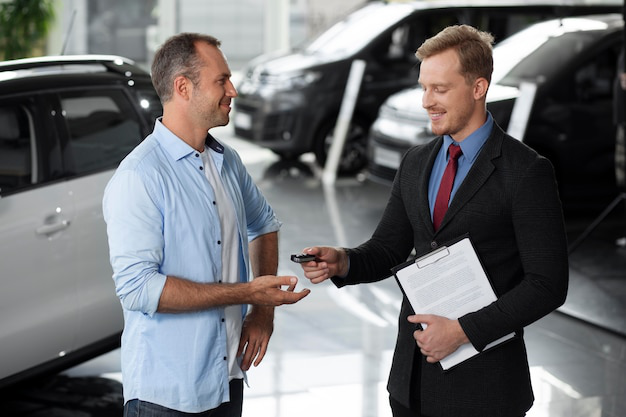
point(509, 205)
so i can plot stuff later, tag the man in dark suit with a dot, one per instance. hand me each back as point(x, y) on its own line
point(504, 195)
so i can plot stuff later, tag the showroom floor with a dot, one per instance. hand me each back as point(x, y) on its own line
point(330, 353)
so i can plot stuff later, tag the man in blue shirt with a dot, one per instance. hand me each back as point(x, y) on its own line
point(186, 224)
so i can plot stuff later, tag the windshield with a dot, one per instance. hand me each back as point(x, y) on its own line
point(530, 55)
point(358, 29)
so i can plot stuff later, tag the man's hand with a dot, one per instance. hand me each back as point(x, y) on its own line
point(440, 338)
point(267, 291)
point(328, 263)
point(258, 327)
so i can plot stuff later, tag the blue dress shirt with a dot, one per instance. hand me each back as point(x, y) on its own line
point(162, 219)
point(471, 147)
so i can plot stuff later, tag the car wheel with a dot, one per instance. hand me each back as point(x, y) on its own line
point(354, 155)
point(287, 156)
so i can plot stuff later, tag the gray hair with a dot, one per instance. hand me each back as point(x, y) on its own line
point(176, 57)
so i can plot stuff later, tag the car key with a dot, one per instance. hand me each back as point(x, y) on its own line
point(302, 258)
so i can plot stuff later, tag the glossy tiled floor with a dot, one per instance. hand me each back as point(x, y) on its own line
point(330, 353)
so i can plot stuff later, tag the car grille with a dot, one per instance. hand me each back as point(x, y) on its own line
point(266, 127)
point(276, 125)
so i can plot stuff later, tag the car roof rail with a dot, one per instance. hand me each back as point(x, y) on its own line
point(112, 63)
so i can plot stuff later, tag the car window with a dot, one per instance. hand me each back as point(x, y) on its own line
point(103, 128)
point(357, 30)
point(16, 145)
point(594, 79)
point(150, 105)
point(530, 54)
point(404, 40)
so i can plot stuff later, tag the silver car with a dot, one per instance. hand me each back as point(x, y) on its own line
point(65, 124)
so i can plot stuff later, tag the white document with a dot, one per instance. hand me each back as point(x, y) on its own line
point(448, 282)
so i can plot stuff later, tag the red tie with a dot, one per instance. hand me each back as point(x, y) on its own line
point(445, 188)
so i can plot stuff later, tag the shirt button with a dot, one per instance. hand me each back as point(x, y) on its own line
point(223, 320)
point(201, 168)
point(197, 155)
point(219, 242)
point(433, 244)
point(214, 203)
point(225, 358)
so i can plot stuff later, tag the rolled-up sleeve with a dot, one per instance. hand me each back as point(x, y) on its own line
point(259, 216)
point(134, 227)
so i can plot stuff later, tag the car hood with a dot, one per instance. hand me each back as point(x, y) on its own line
point(288, 62)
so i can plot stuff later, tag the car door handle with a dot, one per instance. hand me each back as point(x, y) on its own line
point(48, 229)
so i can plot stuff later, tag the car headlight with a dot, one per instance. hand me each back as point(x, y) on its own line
point(289, 81)
point(387, 111)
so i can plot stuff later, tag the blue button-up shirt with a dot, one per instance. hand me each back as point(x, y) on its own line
point(162, 220)
point(471, 147)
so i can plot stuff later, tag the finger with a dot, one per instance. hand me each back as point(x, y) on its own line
point(261, 354)
point(287, 297)
point(313, 273)
point(312, 250)
point(246, 359)
point(416, 335)
point(313, 265)
point(242, 345)
point(294, 297)
point(281, 281)
point(287, 280)
point(316, 276)
point(419, 318)
point(251, 352)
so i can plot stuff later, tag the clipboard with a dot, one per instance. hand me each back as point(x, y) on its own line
point(448, 282)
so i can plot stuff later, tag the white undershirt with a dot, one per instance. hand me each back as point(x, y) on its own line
point(230, 259)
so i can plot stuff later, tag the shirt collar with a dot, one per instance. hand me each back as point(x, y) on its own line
point(472, 144)
point(178, 148)
point(212, 143)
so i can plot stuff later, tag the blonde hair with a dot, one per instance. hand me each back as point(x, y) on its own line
point(474, 48)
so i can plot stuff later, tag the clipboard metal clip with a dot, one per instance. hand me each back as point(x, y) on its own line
point(432, 257)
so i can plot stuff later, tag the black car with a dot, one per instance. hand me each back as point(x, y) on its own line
point(289, 103)
point(570, 67)
point(65, 124)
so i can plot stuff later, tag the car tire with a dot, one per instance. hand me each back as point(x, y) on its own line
point(354, 155)
point(287, 156)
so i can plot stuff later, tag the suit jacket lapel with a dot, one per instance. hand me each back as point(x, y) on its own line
point(424, 178)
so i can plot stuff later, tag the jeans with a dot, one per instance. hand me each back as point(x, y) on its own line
point(233, 408)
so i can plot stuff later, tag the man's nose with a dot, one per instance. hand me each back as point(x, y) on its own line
point(426, 99)
point(231, 91)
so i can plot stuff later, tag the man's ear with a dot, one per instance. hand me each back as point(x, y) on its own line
point(182, 87)
point(481, 85)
